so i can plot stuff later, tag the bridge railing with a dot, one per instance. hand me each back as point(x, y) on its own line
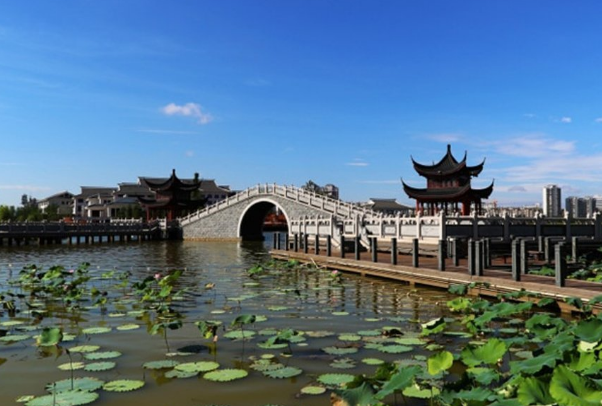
point(335, 207)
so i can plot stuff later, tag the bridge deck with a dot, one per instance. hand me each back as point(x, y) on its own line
point(498, 277)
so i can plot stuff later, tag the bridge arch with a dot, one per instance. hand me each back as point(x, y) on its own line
point(250, 223)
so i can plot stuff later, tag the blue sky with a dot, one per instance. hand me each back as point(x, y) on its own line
point(100, 92)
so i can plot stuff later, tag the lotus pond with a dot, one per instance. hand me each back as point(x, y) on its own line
point(184, 323)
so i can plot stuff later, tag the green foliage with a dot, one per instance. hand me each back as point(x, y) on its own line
point(439, 362)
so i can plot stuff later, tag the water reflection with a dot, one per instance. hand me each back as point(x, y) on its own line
point(304, 300)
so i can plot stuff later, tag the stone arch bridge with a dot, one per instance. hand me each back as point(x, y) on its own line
point(241, 216)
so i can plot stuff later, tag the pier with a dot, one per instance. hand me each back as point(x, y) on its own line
point(485, 272)
point(44, 233)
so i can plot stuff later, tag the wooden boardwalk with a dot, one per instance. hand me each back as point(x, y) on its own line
point(495, 280)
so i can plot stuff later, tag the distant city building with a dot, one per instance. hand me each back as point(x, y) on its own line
point(331, 191)
point(388, 206)
point(328, 190)
point(63, 201)
point(87, 203)
point(551, 201)
point(580, 207)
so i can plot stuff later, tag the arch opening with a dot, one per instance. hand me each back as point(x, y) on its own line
point(262, 216)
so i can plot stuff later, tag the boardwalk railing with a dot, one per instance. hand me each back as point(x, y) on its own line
point(434, 228)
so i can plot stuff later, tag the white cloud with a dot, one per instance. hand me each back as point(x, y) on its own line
point(188, 110)
point(533, 146)
point(529, 115)
point(566, 120)
point(189, 154)
point(151, 131)
point(598, 120)
point(357, 162)
point(446, 138)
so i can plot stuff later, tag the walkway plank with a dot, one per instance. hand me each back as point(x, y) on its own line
point(495, 280)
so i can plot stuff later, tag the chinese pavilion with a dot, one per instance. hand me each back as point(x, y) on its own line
point(447, 186)
point(173, 197)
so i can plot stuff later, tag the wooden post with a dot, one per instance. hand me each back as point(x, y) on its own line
point(274, 237)
point(574, 249)
point(296, 242)
point(393, 251)
point(455, 256)
point(373, 244)
point(516, 274)
point(548, 247)
point(560, 264)
point(305, 243)
point(286, 242)
point(524, 257)
point(415, 252)
point(328, 246)
point(357, 247)
point(471, 257)
point(478, 258)
point(441, 254)
point(278, 244)
point(342, 246)
point(317, 244)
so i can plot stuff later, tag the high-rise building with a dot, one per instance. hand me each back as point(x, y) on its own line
point(580, 207)
point(551, 201)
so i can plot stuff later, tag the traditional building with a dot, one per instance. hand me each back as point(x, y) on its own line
point(448, 186)
point(173, 197)
point(387, 206)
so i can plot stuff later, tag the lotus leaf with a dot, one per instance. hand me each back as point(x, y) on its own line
point(50, 336)
point(200, 366)
point(180, 374)
point(484, 376)
point(240, 334)
point(127, 327)
point(589, 330)
point(92, 356)
point(162, 364)
point(360, 396)
point(409, 341)
point(535, 364)
point(394, 349)
point(123, 385)
point(13, 338)
point(344, 363)
point(402, 379)
point(84, 384)
point(440, 362)
point(96, 330)
point(341, 313)
point(416, 391)
point(67, 398)
point(533, 390)
point(282, 373)
point(84, 348)
point(568, 388)
point(349, 337)
point(99, 366)
point(313, 390)
point(71, 366)
point(225, 375)
point(340, 350)
point(489, 353)
point(335, 379)
point(369, 333)
point(373, 361)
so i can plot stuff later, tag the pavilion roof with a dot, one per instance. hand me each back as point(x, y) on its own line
point(447, 166)
point(447, 194)
point(171, 183)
